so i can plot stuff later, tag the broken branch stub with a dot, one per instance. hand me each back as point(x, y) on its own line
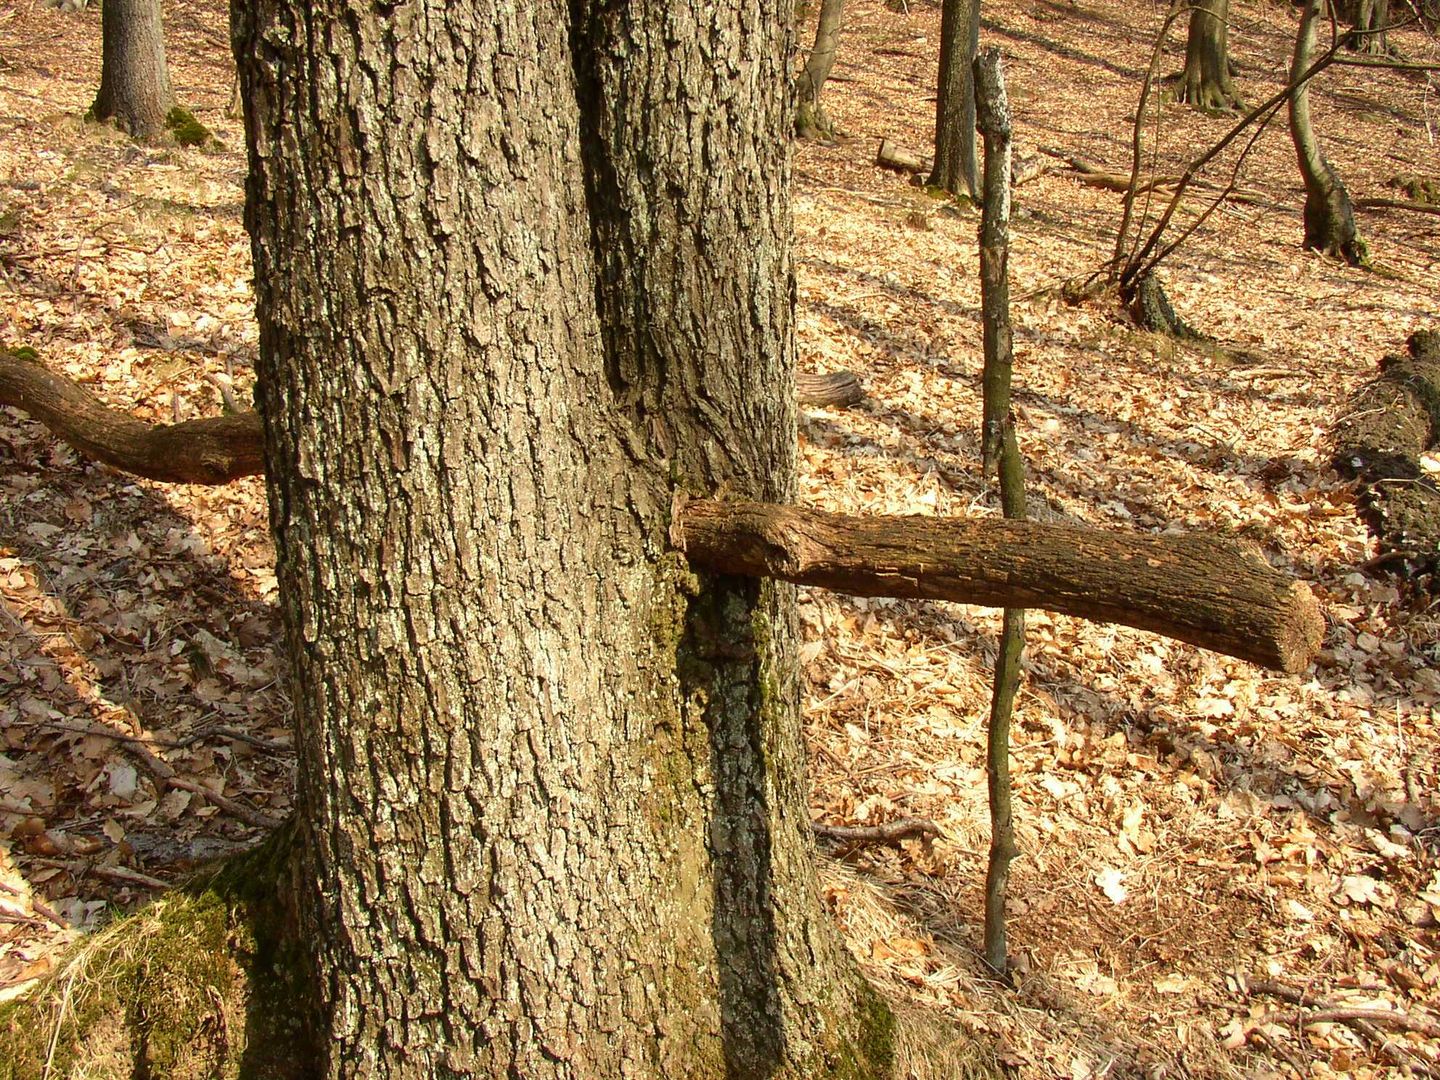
point(1208, 591)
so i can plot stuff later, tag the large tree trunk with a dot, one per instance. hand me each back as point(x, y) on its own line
point(811, 119)
point(1205, 83)
point(956, 167)
point(1329, 217)
point(522, 274)
point(134, 81)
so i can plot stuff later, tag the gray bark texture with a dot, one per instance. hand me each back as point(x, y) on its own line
point(1371, 18)
point(1389, 423)
point(1000, 451)
point(1329, 215)
point(956, 167)
point(523, 273)
point(811, 119)
point(1205, 83)
point(134, 80)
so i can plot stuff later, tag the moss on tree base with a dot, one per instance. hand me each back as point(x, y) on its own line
point(180, 125)
point(1214, 97)
point(200, 983)
point(186, 130)
point(1152, 310)
point(812, 122)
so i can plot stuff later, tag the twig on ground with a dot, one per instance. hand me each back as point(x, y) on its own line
point(235, 809)
point(38, 906)
point(1350, 1014)
point(1386, 557)
point(79, 867)
point(891, 832)
point(1363, 1019)
point(126, 876)
point(164, 773)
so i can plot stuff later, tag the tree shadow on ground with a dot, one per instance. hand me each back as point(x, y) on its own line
point(1208, 916)
point(1059, 48)
point(131, 643)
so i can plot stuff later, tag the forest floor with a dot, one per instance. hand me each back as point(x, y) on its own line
point(1195, 833)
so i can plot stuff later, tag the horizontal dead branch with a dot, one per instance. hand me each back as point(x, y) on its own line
point(1397, 204)
point(210, 451)
point(1197, 588)
point(1095, 176)
point(220, 449)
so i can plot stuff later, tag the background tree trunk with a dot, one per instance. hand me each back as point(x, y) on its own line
point(811, 120)
point(551, 794)
point(956, 167)
point(1205, 83)
point(1329, 217)
point(134, 81)
point(1371, 18)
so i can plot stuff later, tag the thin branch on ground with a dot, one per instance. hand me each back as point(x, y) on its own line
point(890, 833)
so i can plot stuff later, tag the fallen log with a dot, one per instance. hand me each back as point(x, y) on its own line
point(1391, 421)
point(898, 159)
point(834, 391)
point(1197, 588)
point(1095, 176)
point(210, 451)
point(890, 833)
point(1397, 204)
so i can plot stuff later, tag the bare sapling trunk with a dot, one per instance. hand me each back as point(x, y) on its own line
point(1001, 453)
point(1206, 83)
point(134, 81)
point(811, 119)
point(1329, 216)
point(956, 168)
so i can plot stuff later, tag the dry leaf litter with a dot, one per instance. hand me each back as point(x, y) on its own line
point(1190, 826)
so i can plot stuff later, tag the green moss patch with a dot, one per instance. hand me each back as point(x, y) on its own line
point(202, 983)
point(186, 130)
point(153, 994)
point(1421, 189)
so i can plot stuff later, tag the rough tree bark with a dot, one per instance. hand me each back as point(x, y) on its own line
point(1389, 424)
point(1329, 216)
point(811, 119)
point(956, 167)
point(1000, 453)
point(1205, 82)
point(134, 79)
point(522, 273)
